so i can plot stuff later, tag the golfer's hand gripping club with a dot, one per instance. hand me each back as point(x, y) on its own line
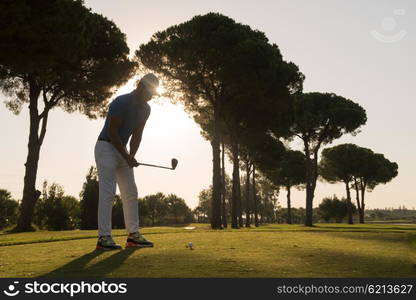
point(132, 162)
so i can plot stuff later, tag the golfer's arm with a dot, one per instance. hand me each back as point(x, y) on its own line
point(136, 139)
point(114, 125)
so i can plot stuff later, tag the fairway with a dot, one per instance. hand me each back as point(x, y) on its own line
point(330, 250)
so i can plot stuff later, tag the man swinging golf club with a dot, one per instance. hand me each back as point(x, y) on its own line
point(127, 116)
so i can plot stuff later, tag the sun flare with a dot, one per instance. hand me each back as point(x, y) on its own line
point(160, 90)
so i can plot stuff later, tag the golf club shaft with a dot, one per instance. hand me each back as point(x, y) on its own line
point(149, 165)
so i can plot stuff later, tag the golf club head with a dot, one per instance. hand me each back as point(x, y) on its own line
point(174, 163)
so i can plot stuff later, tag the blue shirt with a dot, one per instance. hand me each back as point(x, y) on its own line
point(132, 114)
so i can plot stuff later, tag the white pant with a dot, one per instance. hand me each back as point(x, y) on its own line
point(112, 168)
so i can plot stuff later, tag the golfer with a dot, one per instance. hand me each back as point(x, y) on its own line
point(127, 116)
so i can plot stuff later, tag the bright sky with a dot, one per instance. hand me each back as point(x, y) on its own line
point(362, 50)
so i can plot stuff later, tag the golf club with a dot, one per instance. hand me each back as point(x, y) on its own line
point(174, 163)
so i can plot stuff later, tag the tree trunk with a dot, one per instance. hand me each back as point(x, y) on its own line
point(240, 208)
point(216, 177)
point(361, 215)
point(362, 210)
point(311, 170)
point(224, 190)
point(357, 196)
point(256, 217)
point(236, 195)
point(247, 186)
point(239, 204)
point(289, 207)
point(349, 205)
point(309, 203)
point(30, 194)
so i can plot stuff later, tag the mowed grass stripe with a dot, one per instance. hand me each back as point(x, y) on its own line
point(9, 239)
point(54, 236)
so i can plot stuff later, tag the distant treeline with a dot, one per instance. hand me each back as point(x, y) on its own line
point(57, 211)
point(399, 215)
point(331, 209)
point(382, 215)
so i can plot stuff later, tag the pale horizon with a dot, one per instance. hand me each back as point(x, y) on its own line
point(332, 42)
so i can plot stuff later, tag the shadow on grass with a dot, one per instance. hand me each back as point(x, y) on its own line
point(173, 225)
point(70, 238)
point(305, 263)
point(389, 237)
point(78, 267)
point(359, 227)
point(332, 260)
point(338, 263)
point(321, 227)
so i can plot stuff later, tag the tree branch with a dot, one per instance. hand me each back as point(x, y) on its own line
point(45, 97)
point(43, 129)
point(321, 138)
point(55, 101)
point(49, 104)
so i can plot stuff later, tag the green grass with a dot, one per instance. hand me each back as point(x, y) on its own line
point(325, 250)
